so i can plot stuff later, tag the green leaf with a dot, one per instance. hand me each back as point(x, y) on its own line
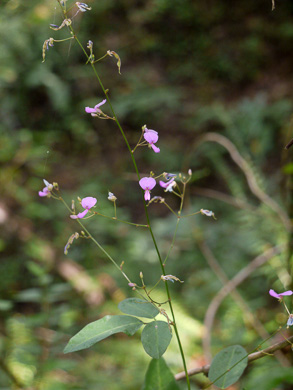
point(155, 338)
point(159, 376)
point(138, 307)
point(101, 329)
point(222, 363)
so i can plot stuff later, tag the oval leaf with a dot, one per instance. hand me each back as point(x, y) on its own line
point(221, 371)
point(101, 329)
point(159, 376)
point(155, 338)
point(138, 307)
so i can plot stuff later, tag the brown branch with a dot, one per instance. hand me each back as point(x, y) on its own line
point(228, 288)
point(251, 357)
point(247, 312)
point(235, 202)
point(251, 180)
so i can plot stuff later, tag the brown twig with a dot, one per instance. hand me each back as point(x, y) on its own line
point(251, 357)
point(251, 180)
point(235, 202)
point(230, 286)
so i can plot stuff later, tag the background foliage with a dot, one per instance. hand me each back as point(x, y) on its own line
point(188, 69)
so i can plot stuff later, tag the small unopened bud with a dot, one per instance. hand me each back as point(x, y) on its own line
point(56, 186)
point(79, 199)
point(82, 233)
point(141, 275)
point(72, 205)
point(132, 284)
point(189, 172)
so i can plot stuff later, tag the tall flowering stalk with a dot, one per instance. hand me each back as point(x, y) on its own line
point(173, 183)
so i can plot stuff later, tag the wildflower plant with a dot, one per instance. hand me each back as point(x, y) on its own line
point(159, 327)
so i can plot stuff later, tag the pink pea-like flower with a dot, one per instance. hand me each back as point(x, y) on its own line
point(87, 203)
point(151, 136)
point(147, 184)
point(96, 110)
point(46, 190)
point(279, 296)
point(168, 185)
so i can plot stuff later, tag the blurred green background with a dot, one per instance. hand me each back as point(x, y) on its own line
point(189, 69)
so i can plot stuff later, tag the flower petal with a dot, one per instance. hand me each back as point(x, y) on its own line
point(100, 104)
point(88, 202)
point(274, 294)
point(146, 130)
point(147, 195)
point(165, 185)
point(151, 137)
point(155, 148)
point(79, 215)
point(90, 110)
point(147, 183)
point(45, 192)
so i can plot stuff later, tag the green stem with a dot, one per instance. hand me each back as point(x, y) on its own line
point(96, 242)
point(119, 220)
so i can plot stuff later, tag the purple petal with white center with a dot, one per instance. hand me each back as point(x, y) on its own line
point(88, 202)
point(147, 183)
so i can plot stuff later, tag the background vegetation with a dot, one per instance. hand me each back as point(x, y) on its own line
point(189, 69)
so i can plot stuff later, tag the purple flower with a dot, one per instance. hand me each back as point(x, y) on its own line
point(279, 296)
point(95, 111)
point(46, 190)
point(168, 185)
point(147, 184)
point(151, 136)
point(87, 203)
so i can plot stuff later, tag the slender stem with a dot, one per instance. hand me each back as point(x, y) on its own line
point(173, 240)
point(119, 220)
point(96, 242)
